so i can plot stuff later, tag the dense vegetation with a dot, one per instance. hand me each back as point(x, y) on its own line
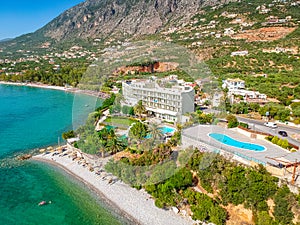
point(280, 142)
point(276, 111)
point(99, 142)
point(172, 185)
point(66, 75)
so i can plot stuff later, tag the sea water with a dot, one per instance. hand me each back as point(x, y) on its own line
point(32, 118)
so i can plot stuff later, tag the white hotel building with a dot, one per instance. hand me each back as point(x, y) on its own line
point(168, 104)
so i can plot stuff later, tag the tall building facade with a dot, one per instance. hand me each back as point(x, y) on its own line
point(168, 104)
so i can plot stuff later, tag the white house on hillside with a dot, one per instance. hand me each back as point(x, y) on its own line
point(234, 84)
point(237, 87)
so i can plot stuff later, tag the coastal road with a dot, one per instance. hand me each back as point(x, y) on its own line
point(258, 125)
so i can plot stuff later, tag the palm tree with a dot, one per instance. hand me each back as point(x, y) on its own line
point(139, 108)
point(97, 116)
point(138, 131)
point(114, 143)
point(103, 135)
point(102, 147)
point(155, 132)
point(119, 98)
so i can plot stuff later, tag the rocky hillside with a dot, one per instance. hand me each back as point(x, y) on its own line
point(102, 18)
point(118, 18)
point(233, 37)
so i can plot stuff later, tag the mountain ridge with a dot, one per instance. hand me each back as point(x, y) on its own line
point(6, 39)
point(118, 18)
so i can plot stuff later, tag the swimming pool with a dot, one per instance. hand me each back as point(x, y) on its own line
point(109, 127)
point(164, 130)
point(224, 139)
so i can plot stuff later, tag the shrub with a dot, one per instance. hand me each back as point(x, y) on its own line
point(269, 138)
point(275, 140)
point(282, 209)
point(68, 134)
point(232, 121)
point(159, 203)
point(280, 142)
point(285, 144)
point(296, 121)
point(245, 125)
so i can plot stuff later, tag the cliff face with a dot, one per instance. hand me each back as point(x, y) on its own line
point(112, 18)
point(152, 67)
point(103, 18)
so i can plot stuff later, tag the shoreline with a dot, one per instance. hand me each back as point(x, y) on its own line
point(111, 205)
point(58, 88)
point(132, 204)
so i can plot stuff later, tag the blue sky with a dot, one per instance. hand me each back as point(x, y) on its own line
point(19, 17)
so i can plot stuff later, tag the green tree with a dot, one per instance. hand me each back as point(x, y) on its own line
point(91, 144)
point(260, 187)
point(285, 144)
point(138, 131)
point(202, 118)
point(68, 134)
point(127, 110)
point(254, 107)
point(218, 215)
point(115, 108)
point(275, 140)
point(296, 111)
point(155, 132)
point(119, 98)
point(89, 139)
point(283, 114)
point(235, 187)
point(263, 218)
point(139, 108)
point(232, 121)
point(114, 143)
point(107, 102)
point(282, 209)
point(102, 148)
point(98, 115)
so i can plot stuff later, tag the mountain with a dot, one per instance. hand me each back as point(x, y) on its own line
point(253, 40)
point(102, 18)
point(6, 39)
point(118, 18)
point(215, 30)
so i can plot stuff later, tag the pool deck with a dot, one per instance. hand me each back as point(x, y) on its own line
point(199, 135)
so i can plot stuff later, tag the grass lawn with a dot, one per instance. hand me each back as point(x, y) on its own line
point(120, 120)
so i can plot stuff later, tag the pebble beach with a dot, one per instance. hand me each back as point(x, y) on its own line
point(136, 205)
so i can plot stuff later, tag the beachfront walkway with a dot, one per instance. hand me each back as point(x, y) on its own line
point(199, 136)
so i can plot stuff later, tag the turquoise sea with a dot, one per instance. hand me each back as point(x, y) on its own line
point(32, 118)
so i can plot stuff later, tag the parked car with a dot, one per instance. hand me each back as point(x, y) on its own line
point(283, 133)
point(270, 124)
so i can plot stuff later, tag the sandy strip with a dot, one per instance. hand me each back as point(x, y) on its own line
point(73, 90)
point(34, 85)
point(137, 204)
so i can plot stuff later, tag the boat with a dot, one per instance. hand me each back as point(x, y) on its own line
point(42, 203)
